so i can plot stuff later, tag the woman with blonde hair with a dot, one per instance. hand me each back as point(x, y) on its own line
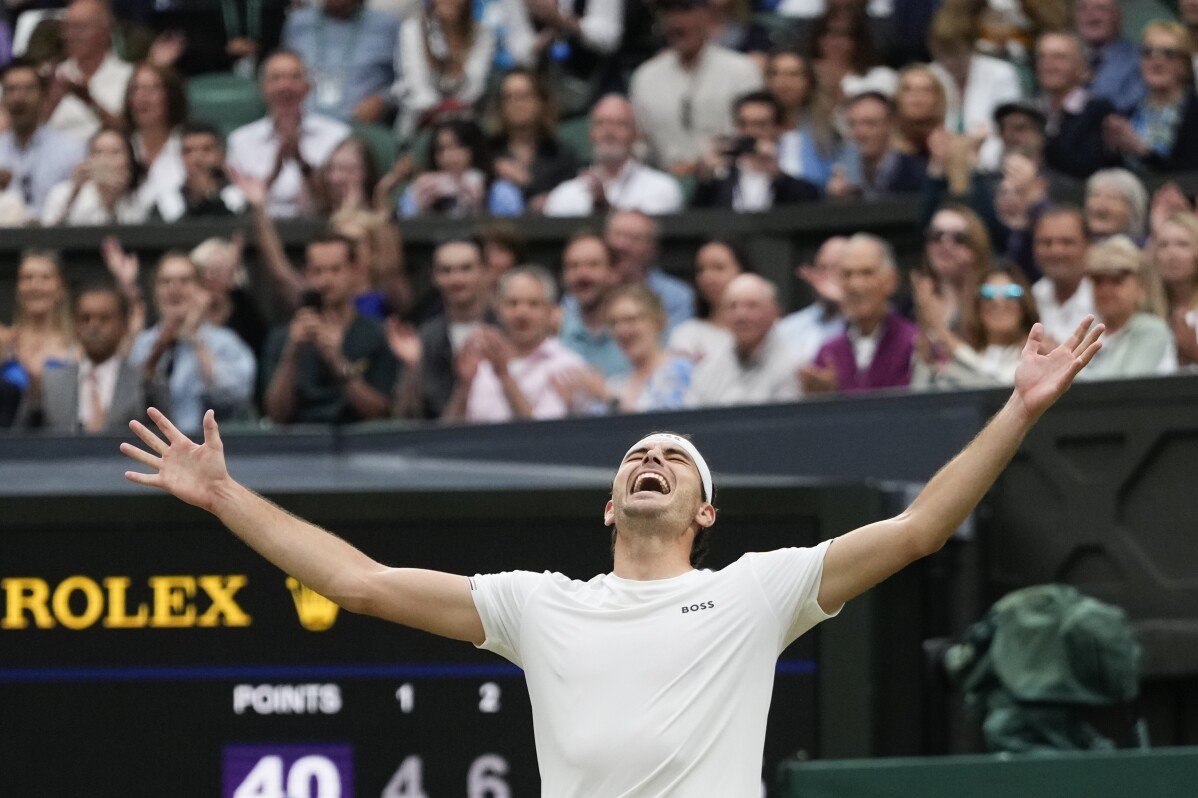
point(920, 107)
point(956, 255)
point(1174, 262)
point(41, 336)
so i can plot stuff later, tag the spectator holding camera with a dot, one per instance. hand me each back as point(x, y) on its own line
point(87, 90)
point(103, 189)
point(204, 192)
point(458, 179)
point(743, 174)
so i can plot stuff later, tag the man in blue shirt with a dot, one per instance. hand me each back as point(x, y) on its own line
point(588, 276)
point(1114, 61)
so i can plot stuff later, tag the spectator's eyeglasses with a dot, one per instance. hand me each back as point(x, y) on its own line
point(1148, 51)
point(992, 292)
point(959, 237)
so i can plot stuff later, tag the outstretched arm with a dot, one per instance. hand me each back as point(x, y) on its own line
point(430, 600)
point(857, 561)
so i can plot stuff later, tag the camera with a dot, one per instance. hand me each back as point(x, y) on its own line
point(741, 145)
point(312, 299)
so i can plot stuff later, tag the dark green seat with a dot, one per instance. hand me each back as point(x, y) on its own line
point(224, 100)
point(576, 134)
point(382, 143)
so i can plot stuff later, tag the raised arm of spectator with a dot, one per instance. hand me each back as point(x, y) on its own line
point(196, 473)
point(286, 279)
point(125, 269)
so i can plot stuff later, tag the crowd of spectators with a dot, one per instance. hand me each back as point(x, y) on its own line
point(984, 113)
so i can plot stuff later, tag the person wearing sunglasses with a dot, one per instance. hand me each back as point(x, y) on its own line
point(1161, 131)
point(986, 350)
point(956, 254)
point(1137, 342)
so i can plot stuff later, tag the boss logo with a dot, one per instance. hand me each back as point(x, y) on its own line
point(706, 605)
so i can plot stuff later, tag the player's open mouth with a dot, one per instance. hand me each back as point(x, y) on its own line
point(652, 482)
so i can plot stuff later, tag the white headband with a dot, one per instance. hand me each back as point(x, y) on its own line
point(686, 446)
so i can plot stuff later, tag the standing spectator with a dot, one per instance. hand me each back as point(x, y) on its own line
point(920, 108)
point(616, 180)
point(633, 238)
point(527, 151)
point(103, 189)
point(33, 157)
point(1136, 342)
point(589, 276)
point(759, 367)
point(186, 363)
point(349, 51)
point(510, 374)
point(876, 350)
point(956, 255)
point(204, 37)
point(1175, 265)
point(1073, 123)
point(807, 148)
point(683, 96)
point(101, 392)
point(1114, 65)
point(87, 90)
point(986, 351)
point(41, 338)
point(808, 329)
point(155, 107)
point(845, 54)
point(203, 190)
point(1161, 132)
point(1116, 203)
point(330, 364)
point(445, 59)
point(288, 145)
point(1064, 295)
point(230, 304)
point(744, 174)
point(871, 167)
point(458, 179)
point(732, 26)
point(717, 264)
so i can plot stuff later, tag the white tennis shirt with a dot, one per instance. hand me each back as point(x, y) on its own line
point(652, 688)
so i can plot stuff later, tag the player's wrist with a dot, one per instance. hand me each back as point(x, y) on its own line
point(224, 494)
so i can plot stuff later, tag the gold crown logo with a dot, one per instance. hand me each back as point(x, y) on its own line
point(316, 613)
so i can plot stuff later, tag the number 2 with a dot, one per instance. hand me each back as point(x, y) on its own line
point(488, 695)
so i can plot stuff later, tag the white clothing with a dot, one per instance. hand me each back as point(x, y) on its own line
point(652, 688)
point(636, 188)
point(1060, 319)
point(166, 174)
point(808, 329)
point(107, 87)
point(253, 149)
point(881, 79)
point(768, 375)
point(460, 332)
point(104, 375)
point(754, 191)
point(698, 339)
point(418, 88)
point(171, 204)
point(991, 82)
point(601, 27)
point(864, 346)
point(88, 208)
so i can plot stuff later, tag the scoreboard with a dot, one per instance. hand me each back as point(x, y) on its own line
point(145, 651)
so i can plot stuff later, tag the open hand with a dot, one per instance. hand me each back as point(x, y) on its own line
point(123, 266)
point(1041, 379)
point(195, 473)
point(404, 341)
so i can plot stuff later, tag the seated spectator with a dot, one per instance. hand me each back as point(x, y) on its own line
point(1175, 264)
point(615, 180)
point(807, 148)
point(40, 339)
point(732, 26)
point(503, 249)
point(1116, 203)
point(510, 374)
point(1114, 66)
point(458, 178)
point(683, 96)
point(329, 364)
point(200, 38)
point(526, 149)
point(348, 178)
point(1161, 131)
point(349, 51)
point(155, 107)
point(1136, 342)
point(87, 90)
point(33, 157)
point(717, 264)
point(633, 238)
point(846, 56)
point(223, 276)
point(104, 189)
point(871, 167)
point(744, 174)
point(808, 329)
point(656, 381)
point(986, 351)
point(920, 108)
point(187, 364)
point(101, 392)
point(288, 145)
point(1064, 295)
point(203, 190)
point(876, 350)
point(1073, 122)
point(956, 255)
point(759, 367)
point(1022, 129)
point(445, 60)
point(466, 293)
point(589, 277)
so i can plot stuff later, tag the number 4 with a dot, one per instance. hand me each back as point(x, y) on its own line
point(408, 781)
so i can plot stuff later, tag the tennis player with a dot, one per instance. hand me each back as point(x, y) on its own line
point(655, 679)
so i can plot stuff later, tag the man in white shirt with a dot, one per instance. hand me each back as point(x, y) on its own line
point(654, 679)
point(286, 146)
point(615, 180)
point(1064, 295)
point(87, 91)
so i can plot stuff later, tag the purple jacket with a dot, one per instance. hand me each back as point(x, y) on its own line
point(892, 362)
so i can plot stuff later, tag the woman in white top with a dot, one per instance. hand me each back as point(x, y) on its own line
point(717, 263)
point(445, 57)
point(155, 107)
point(104, 188)
point(986, 352)
point(1175, 263)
